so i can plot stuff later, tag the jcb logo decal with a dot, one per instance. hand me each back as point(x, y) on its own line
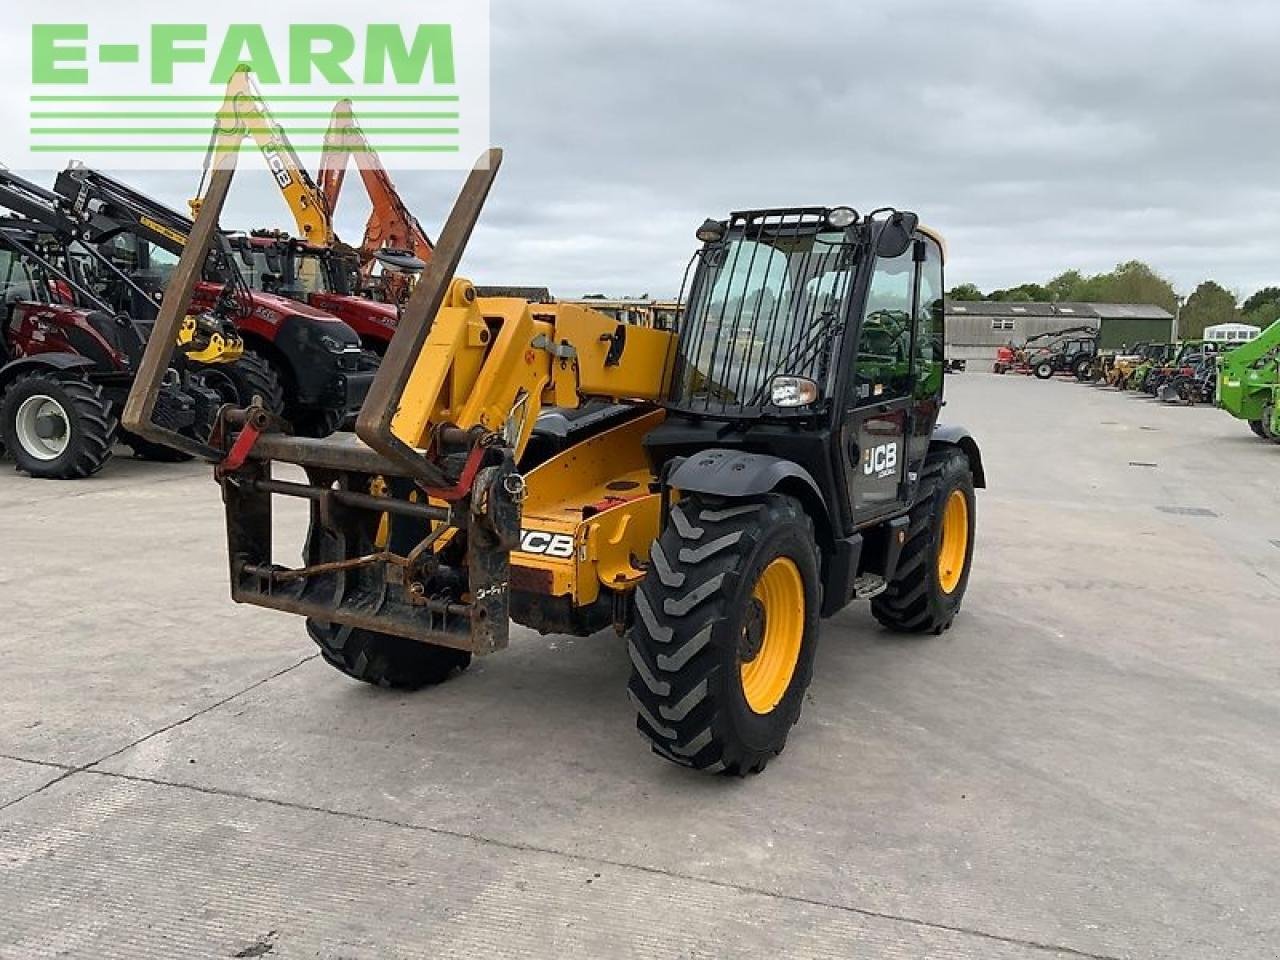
point(277, 165)
point(880, 461)
point(546, 544)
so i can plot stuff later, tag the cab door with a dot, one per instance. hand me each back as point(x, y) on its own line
point(880, 396)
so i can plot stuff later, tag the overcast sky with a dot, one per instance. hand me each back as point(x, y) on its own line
point(1036, 135)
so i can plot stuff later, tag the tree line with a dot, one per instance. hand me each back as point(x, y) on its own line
point(1135, 282)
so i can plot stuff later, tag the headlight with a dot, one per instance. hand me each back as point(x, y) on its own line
point(331, 344)
point(792, 391)
point(841, 217)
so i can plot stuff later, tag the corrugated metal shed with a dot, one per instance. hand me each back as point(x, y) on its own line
point(1130, 311)
point(975, 328)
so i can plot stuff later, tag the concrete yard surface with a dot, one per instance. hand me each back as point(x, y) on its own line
point(1086, 765)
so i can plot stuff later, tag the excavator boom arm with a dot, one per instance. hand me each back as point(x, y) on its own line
point(244, 113)
point(390, 224)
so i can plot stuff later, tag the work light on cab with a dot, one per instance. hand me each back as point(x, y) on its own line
point(711, 231)
point(842, 217)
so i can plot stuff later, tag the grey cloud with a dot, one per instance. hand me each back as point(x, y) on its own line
point(1037, 136)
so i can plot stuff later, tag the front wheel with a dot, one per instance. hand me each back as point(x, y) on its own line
point(933, 569)
point(319, 422)
point(1044, 371)
point(383, 660)
point(240, 382)
point(154, 452)
point(1268, 413)
point(726, 628)
point(57, 428)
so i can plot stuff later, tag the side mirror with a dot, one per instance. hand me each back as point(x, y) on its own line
point(896, 234)
point(246, 254)
point(274, 263)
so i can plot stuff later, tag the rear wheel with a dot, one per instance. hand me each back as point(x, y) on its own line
point(725, 633)
point(1044, 371)
point(384, 660)
point(933, 570)
point(1256, 427)
point(57, 428)
point(1081, 369)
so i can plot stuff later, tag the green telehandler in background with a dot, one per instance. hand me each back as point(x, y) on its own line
point(1249, 383)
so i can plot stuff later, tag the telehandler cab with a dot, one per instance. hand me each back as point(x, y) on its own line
point(773, 459)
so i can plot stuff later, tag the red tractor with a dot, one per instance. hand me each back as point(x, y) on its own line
point(326, 278)
point(318, 359)
point(68, 360)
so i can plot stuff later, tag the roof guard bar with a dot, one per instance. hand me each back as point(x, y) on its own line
point(373, 425)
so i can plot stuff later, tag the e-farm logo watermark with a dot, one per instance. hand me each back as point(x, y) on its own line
point(144, 84)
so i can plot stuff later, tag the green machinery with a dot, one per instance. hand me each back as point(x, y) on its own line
point(1249, 383)
point(1154, 356)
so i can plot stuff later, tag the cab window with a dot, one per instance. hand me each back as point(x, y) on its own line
point(930, 346)
point(16, 281)
point(882, 369)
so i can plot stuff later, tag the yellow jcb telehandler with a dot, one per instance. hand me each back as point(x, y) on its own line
point(735, 481)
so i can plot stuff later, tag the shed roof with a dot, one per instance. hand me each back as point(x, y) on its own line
point(1066, 310)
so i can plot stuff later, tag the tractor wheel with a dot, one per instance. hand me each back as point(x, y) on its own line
point(154, 452)
point(239, 382)
point(933, 570)
point(1267, 433)
point(383, 660)
point(725, 632)
point(1044, 371)
point(1256, 427)
point(1081, 369)
point(317, 423)
point(57, 428)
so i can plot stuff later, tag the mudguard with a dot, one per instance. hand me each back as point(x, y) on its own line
point(958, 436)
point(43, 361)
point(733, 473)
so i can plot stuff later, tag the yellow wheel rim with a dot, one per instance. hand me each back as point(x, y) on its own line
point(772, 634)
point(955, 541)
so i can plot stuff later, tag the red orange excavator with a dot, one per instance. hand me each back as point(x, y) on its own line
point(393, 237)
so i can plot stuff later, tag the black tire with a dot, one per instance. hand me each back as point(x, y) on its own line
point(383, 660)
point(1081, 369)
point(1256, 427)
point(1265, 423)
point(317, 422)
point(85, 413)
point(1044, 371)
point(916, 601)
point(239, 382)
point(695, 612)
point(154, 452)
